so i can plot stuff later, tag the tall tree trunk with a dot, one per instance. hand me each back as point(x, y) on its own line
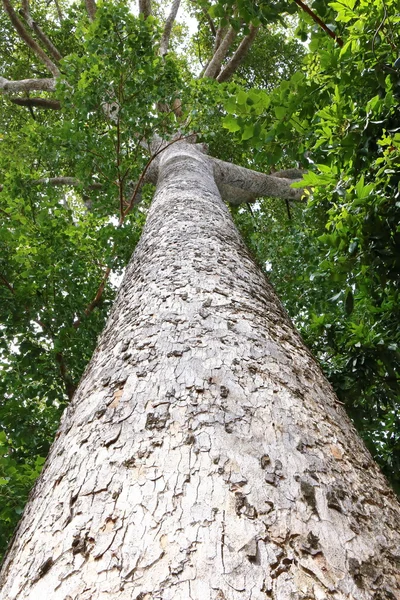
point(204, 455)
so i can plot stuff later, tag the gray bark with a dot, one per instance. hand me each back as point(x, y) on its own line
point(204, 455)
point(27, 85)
point(214, 66)
point(168, 27)
point(25, 11)
point(239, 55)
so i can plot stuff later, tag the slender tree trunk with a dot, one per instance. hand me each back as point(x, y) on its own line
point(204, 455)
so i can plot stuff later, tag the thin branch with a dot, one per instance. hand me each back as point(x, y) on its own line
point(214, 66)
point(319, 22)
point(145, 8)
point(59, 12)
point(38, 102)
point(168, 27)
point(96, 300)
point(210, 22)
point(39, 32)
point(7, 283)
point(91, 9)
point(65, 376)
point(238, 55)
point(218, 38)
point(27, 85)
point(30, 42)
point(60, 181)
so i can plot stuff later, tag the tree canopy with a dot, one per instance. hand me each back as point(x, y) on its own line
point(84, 89)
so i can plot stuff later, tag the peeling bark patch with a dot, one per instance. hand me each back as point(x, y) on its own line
point(308, 493)
point(44, 568)
point(333, 498)
point(265, 461)
point(243, 508)
point(80, 545)
point(156, 421)
point(224, 392)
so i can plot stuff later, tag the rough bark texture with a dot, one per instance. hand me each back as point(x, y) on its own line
point(239, 55)
point(204, 456)
point(27, 85)
point(215, 63)
point(168, 27)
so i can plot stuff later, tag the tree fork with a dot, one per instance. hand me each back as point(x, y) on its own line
point(204, 454)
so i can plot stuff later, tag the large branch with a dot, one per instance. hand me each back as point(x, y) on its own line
point(37, 102)
point(91, 9)
point(25, 11)
point(239, 55)
point(27, 85)
point(168, 27)
point(215, 63)
point(230, 177)
point(145, 8)
point(30, 42)
point(61, 181)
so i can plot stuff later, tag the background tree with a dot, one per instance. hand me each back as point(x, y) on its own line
point(58, 255)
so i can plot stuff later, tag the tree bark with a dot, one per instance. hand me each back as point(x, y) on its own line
point(204, 455)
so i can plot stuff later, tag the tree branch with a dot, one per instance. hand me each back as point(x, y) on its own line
point(38, 30)
point(230, 177)
point(168, 27)
point(218, 38)
point(210, 22)
point(96, 300)
point(91, 9)
point(295, 174)
point(30, 42)
point(238, 55)
point(215, 63)
point(145, 8)
point(60, 181)
point(319, 22)
point(59, 12)
point(27, 85)
point(38, 102)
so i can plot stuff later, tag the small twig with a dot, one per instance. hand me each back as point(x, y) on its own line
point(7, 283)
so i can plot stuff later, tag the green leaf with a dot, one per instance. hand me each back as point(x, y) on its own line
point(231, 124)
point(349, 302)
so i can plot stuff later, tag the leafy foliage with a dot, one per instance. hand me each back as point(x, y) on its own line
point(339, 118)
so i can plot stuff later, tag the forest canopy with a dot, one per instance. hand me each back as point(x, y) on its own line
point(83, 90)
